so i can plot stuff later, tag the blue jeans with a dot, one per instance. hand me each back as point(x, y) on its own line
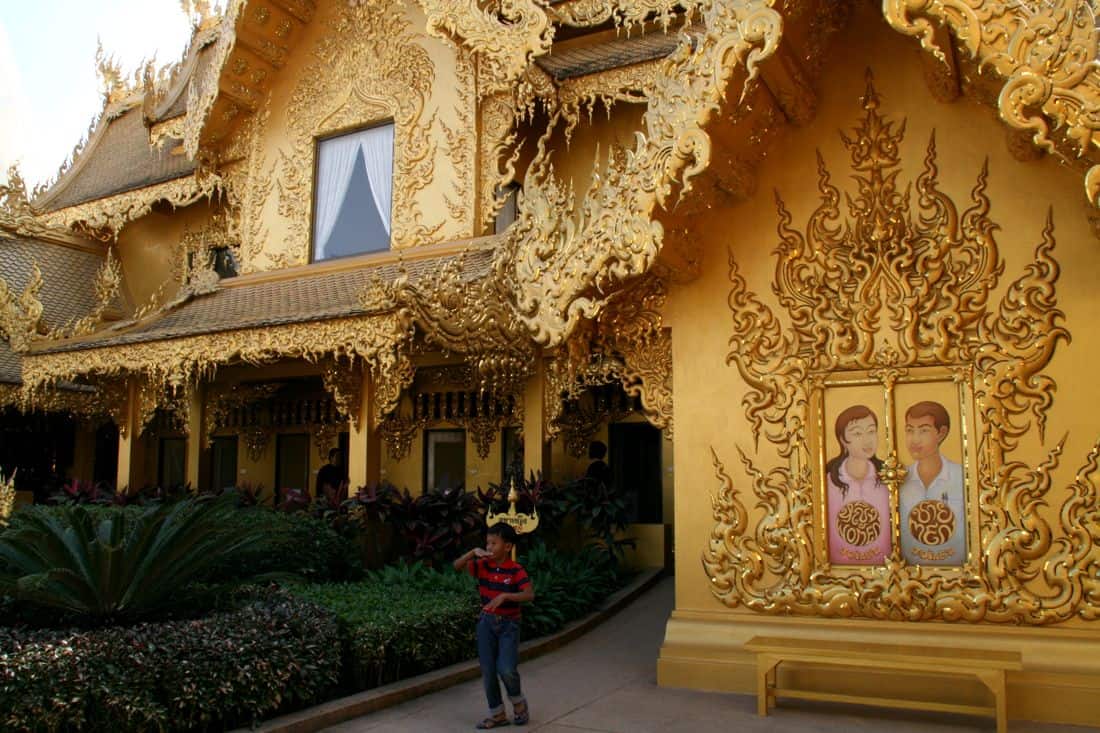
point(498, 652)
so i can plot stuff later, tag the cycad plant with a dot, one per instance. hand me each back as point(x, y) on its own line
point(118, 566)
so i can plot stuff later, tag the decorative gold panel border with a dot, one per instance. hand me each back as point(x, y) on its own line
point(853, 301)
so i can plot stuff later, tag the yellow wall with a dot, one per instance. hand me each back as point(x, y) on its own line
point(408, 473)
point(704, 637)
point(150, 255)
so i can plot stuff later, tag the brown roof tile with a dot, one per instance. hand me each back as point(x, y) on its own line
point(321, 296)
point(119, 158)
point(67, 285)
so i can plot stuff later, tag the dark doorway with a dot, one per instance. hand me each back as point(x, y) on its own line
point(223, 463)
point(291, 463)
point(38, 448)
point(636, 468)
point(444, 459)
point(105, 469)
point(172, 463)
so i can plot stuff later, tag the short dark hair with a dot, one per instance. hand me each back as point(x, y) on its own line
point(504, 531)
point(334, 452)
point(597, 450)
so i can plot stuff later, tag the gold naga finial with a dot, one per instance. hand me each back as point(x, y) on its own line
point(7, 498)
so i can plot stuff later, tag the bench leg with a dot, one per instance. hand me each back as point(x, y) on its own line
point(995, 681)
point(765, 674)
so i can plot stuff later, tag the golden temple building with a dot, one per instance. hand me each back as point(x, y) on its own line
point(821, 274)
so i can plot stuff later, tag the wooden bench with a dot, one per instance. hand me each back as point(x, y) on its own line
point(988, 666)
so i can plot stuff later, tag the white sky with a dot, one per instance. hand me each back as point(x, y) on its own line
point(49, 91)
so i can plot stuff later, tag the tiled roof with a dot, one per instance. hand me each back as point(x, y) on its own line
point(118, 158)
point(308, 297)
point(67, 289)
point(581, 60)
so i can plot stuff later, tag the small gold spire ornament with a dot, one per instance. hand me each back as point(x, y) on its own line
point(521, 523)
point(7, 498)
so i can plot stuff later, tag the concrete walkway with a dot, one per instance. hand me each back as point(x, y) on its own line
point(606, 682)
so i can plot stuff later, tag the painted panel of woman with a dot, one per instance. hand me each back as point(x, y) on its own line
point(857, 502)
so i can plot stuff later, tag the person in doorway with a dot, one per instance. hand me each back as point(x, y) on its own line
point(333, 477)
point(598, 470)
point(503, 585)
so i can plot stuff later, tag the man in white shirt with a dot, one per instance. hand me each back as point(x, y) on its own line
point(932, 499)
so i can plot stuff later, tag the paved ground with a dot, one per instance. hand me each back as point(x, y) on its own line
point(606, 682)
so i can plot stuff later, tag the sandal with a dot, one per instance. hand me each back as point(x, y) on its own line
point(493, 722)
point(521, 714)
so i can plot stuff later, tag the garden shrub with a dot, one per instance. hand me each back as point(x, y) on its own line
point(296, 543)
point(567, 587)
point(401, 621)
point(271, 653)
point(107, 567)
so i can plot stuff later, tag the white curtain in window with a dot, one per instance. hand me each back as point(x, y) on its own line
point(336, 162)
point(378, 155)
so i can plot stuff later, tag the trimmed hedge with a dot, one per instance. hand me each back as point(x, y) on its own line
point(274, 652)
point(401, 621)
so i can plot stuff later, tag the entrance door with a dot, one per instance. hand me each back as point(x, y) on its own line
point(636, 468)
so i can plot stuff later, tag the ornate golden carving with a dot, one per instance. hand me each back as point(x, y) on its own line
point(482, 414)
point(345, 383)
point(7, 498)
point(1045, 51)
point(21, 316)
point(108, 215)
point(558, 266)
point(499, 114)
point(184, 360)
point(852, 303)
point(505, 36)
point(16, 213)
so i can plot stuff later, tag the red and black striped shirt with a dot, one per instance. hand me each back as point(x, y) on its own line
point(494, 578)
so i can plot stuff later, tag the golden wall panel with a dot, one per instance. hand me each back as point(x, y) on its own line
point(703, 645)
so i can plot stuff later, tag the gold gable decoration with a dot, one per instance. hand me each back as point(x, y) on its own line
point(368, 67)
point(894, 292)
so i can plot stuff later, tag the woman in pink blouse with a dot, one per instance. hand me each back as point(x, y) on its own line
point(857, 502)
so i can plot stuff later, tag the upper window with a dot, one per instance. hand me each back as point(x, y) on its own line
point(353, 193)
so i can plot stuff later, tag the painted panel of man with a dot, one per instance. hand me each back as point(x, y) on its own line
point(932, 499)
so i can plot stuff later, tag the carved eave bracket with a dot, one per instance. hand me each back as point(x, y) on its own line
point(1045, 52)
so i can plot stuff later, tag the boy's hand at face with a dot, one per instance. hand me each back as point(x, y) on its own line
point(481, 552)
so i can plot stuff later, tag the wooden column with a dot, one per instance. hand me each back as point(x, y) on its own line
point(536, 451)
point(131, 446)
point(364, 443)
point(196, 441)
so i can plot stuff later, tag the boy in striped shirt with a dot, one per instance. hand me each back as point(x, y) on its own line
point(503, 585)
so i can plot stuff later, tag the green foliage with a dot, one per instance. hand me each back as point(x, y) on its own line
point(567, 587)
point(400, 621)
point(110, 566)
point(271, 653)
point(294, 543)
point(602, 511)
